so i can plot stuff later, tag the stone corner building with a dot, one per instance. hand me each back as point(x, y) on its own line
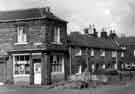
point(34, 40)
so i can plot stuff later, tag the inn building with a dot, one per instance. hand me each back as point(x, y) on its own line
point(35, 42)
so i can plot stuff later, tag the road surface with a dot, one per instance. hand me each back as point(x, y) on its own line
point(108, 89)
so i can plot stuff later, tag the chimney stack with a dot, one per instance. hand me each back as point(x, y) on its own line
point(86, 31)
point(112, 34)
point(103, 33)
point(90, 31)
point(95, 33)
point(45, 10)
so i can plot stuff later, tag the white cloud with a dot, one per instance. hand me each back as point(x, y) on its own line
point(81, 13)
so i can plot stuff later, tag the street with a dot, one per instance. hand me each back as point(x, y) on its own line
point(107, 89)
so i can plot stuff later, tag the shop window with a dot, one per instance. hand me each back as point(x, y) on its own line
point(22, 65)
point(57, 64)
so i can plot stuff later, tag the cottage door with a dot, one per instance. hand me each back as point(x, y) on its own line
point(37, 73)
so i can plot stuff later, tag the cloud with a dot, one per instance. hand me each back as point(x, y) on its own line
point(81, 13)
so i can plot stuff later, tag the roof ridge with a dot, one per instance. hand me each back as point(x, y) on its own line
point(21, 9)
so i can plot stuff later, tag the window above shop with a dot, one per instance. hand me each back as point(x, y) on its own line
point(21, 35)
point(56, 36)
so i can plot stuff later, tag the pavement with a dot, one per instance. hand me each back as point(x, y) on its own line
point(128, 88)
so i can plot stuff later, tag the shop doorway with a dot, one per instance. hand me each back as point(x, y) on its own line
point(37, 73)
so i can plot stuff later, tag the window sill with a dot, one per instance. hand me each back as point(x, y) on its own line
point(23, 43)
point(102, 55)
point(113, 57)
point(92, 55)
point(21, 75)
point(57, 43)
point(78, 55)
point(55, 73)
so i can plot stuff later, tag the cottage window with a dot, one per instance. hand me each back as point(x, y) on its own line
point(92, 52)
point(114, 54)
point(21, 34)
point(78, 52)
point(123, 48)
point(134, 52)
point(57, 64)
point(56, 37)
point(102, 53)
point(103, 66)
point(122, 54)
point(21, 65)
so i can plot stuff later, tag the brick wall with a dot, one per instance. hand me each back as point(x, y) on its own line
point(107, 59)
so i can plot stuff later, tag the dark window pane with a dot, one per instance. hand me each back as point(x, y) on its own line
point(22, 58)
point(27, 58)
point(27, 68)
point(17, 58)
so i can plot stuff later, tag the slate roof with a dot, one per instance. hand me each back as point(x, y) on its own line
point(25, 14)
point(126, 41)
point(83, 40)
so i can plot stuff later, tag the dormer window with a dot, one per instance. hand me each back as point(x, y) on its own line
point(92, 52)
point(21, 34)
point(56, 37)
point(114, 54)
point(78, 52)
point(102, 53)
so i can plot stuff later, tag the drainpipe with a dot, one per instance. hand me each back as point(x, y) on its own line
point(116, 62)
point(70, 56)
point(87, 61)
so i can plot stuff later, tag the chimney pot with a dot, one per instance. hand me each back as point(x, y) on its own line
point(103, 33)
point(47, 9)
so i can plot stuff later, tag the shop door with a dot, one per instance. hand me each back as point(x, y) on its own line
point(37, 73)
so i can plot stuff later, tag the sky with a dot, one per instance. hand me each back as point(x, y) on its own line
point(115, 14)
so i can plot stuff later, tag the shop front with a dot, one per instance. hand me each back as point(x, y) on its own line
point(37, 68)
